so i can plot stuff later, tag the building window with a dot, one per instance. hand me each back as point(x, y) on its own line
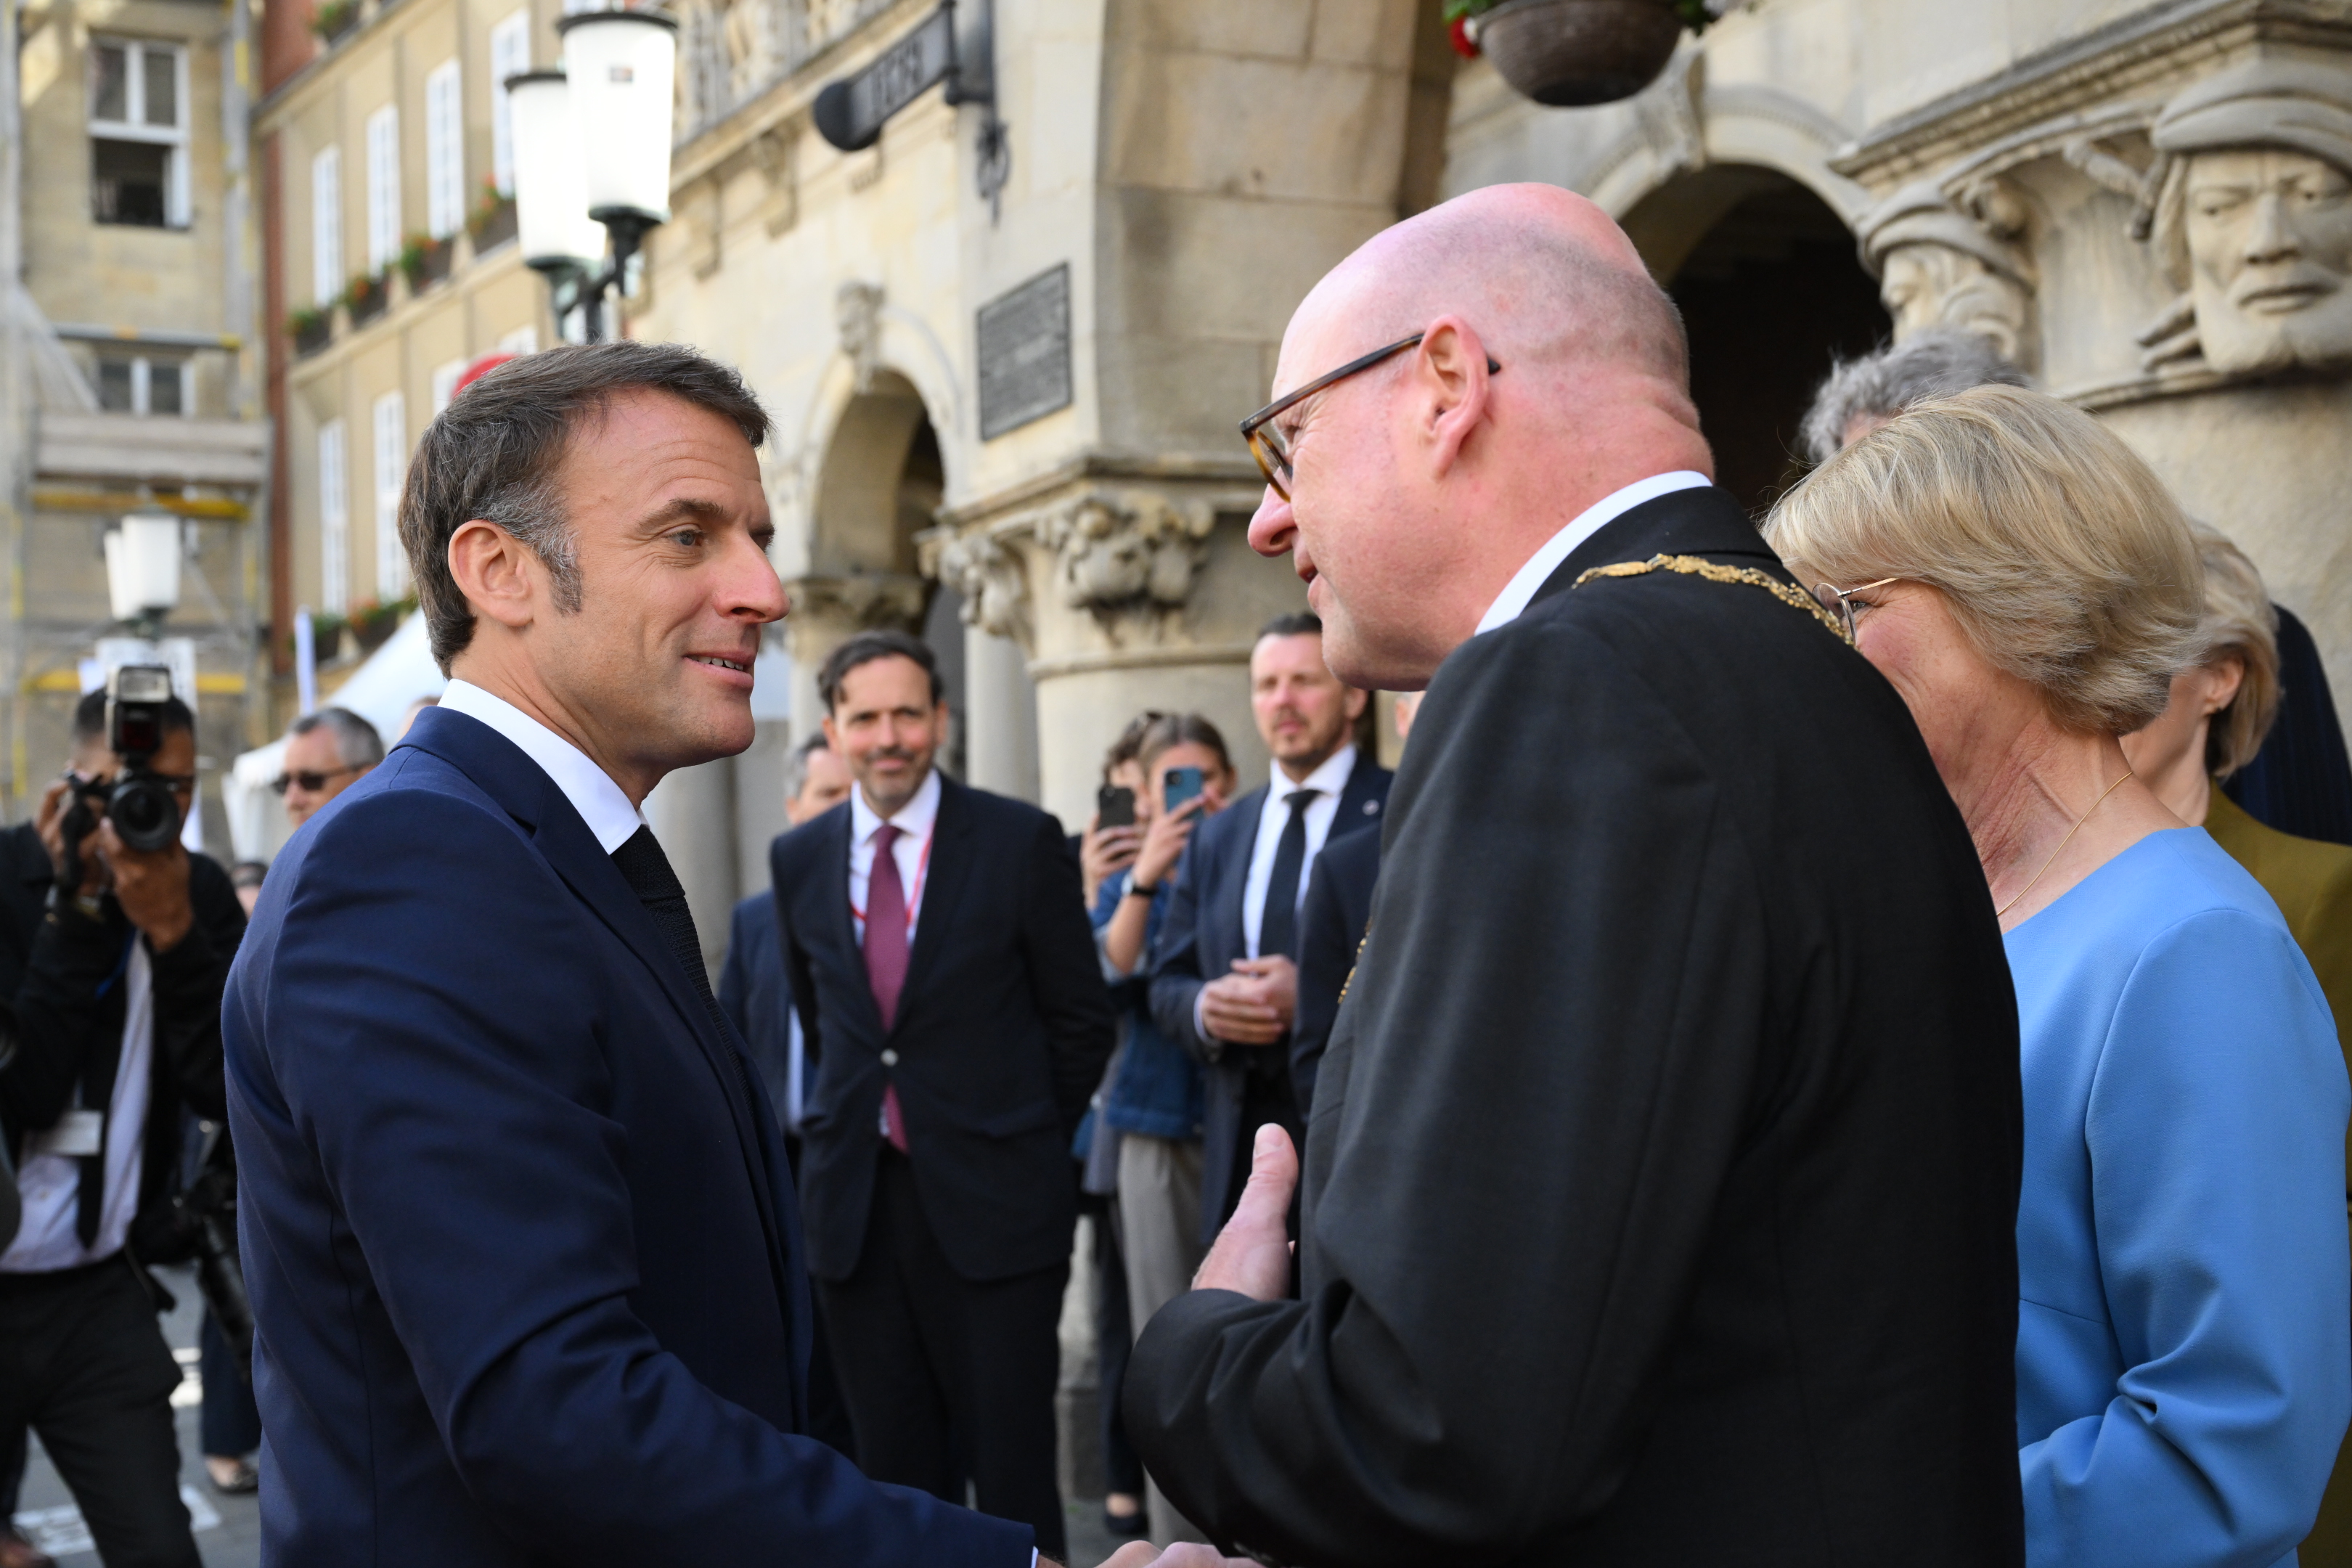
point(444, 152)
point(382, 188)
point(444, 384)
point(326, 226)
point(139, 133)
point(522, 340)
point(391, 466)
point(334, 522)
point(137, 385)
point(510, 56)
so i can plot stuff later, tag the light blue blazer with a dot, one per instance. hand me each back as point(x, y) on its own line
point(2184, 1338)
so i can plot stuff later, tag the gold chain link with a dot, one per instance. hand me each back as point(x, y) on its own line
point(1697, 566)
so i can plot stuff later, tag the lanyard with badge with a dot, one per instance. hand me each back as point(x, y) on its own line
point(914, 895)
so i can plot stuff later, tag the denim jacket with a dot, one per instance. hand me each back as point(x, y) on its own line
point(1157, 1091)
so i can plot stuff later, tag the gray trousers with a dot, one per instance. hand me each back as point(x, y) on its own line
point(1159, 1225)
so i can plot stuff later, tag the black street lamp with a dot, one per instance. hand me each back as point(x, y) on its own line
point(591, 154)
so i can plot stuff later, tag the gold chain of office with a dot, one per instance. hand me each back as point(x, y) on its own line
point(1697, 566)
point(1689, 566)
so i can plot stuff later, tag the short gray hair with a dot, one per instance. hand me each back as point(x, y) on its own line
point(1936, 362)
point(495, 452)
point(357, 745)
point(796, 767)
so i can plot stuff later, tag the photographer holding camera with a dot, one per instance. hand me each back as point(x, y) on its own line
point(124, 941)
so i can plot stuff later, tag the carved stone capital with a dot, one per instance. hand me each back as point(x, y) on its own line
point(1117, 553)
point(992, 577)
point(1943, 262)
point(837, 607)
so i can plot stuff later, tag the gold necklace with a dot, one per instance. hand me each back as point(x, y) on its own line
point(1714, 571)
point(2062, 843)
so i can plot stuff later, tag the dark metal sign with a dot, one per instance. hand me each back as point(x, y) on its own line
point(849, 113)
point(1024, 353)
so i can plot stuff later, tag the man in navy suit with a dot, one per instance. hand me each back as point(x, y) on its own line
point(957, 1021)
point(522, 1248)
point(1226, 977)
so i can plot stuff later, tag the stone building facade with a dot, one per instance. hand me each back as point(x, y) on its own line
point(128, 380)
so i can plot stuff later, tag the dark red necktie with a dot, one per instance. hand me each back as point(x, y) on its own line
point(886, 958)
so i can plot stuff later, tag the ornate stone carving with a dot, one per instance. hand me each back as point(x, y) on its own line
point(858, 314)
point(860, 601)
point(2249, 209)
point(993, 581)
point(1120, 551)
point(1941, 266)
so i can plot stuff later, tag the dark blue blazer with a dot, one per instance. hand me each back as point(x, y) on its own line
point(1332, 926)
point(1204, 935)
point(521, 1248)
point(757, 995)
point(1000, 1036)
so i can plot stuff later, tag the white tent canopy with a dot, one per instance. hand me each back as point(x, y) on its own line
point(379, 691)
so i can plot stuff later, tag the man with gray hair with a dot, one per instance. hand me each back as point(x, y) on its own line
point(1860, 394)
point(326, 753)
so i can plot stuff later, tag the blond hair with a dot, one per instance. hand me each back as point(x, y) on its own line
point(2240, 623)
point(2064, 559)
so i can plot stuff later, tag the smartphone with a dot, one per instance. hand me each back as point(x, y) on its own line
point(1113, 807)
point(1183, 784)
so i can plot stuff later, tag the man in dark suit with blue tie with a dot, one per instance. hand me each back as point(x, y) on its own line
point(1225, 975)
point(523, 1251)
point(956, 1023)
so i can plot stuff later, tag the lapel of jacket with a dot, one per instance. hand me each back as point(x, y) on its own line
point(1367, 786)
point(943, 881)
point(838, 826)
point(1232, 928)
point(1681, 523)
point(522, 789)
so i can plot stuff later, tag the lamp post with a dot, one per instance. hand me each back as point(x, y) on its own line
point(591, 154)
point(143, 569)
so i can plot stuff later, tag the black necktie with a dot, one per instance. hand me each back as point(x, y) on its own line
point(641, 860)
point(1278, 922)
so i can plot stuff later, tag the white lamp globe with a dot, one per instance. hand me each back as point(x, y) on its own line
point(550, 181)
point(623, 69)
point(142, 566)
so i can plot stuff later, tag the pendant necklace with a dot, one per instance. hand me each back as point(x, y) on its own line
point(2062, 844)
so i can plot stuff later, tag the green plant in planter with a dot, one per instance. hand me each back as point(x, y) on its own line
point(488, 207)
point(333, 18)
point(1693, 13)
point(364, 288)
point(303, 322)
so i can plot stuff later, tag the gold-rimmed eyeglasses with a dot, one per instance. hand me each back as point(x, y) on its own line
point(1271, 447)
point(1840, 603)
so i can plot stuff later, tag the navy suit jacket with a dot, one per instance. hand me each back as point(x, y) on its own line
point(521, 1248)
point(1002, 1029)
point(757, 995)
point(1331, 929)
point(1204, 934)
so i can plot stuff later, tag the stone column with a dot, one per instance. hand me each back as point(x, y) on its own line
point(1001, 703)
point(826, 612)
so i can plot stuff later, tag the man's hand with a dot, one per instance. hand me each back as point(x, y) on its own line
point(1254, 1003)
point(1183, 1554)
point(50, 822)
point(1253, 1252)
point(151, 886)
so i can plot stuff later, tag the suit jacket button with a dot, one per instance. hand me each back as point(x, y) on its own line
point(889, 1059)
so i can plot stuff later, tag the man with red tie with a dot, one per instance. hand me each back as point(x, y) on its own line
point(956, 1020)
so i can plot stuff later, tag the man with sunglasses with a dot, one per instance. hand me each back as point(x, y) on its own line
point(116, 973)
point(1662, 1164)
point(326, 753)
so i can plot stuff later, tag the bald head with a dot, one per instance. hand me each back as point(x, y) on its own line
point(1419, 487)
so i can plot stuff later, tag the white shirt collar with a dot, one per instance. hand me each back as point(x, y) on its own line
point(1521, 589)
point(914, 819)
point(1332, 778)
point(589, 788)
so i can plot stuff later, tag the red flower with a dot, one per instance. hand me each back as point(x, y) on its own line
point(1458, 30)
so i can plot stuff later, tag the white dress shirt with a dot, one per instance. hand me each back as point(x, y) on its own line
point(1521, 588)
point(50, 1183)
point(590, 789)
point(1329, 782)
point(914, 821)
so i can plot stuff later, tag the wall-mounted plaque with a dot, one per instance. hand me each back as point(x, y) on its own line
point(1024, 353)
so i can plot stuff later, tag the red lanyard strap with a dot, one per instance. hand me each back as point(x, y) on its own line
point(922, 876)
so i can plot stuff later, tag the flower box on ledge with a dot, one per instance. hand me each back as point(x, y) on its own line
point(310, 330)
point(425, 261)
point(367, 299)
point(493, 223)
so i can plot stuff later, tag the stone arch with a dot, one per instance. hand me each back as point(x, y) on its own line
point(862, 517)
point(1722, 238)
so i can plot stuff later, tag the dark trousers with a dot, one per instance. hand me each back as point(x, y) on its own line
point(1114, 1336)
point(948, 1379)
point(83, 1363)
point(231, 1427)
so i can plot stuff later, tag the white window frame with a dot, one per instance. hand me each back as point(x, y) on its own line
point(445, 150)
point(510, 56)
point(388, 420)
point(522, 340)
point(327, 274)
point(135, 104)
point(334, 519)
point(382, 188)
point(143, 372)
point(444, 384)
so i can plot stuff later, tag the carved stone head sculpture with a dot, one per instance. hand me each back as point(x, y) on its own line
point(1939, 267)
point(2252, 215)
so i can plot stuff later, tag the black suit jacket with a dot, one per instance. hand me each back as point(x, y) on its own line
point(1330, 928)
point(1202, 937)
point(758, 999)
point(1662, 1175)
point(522, 1245)
point(1003, 1030)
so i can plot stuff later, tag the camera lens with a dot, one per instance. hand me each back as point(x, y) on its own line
point(144, 813)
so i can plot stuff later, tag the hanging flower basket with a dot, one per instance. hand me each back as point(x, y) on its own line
point(1568, 53)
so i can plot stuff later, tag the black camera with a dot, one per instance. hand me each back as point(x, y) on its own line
point(139, 801)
